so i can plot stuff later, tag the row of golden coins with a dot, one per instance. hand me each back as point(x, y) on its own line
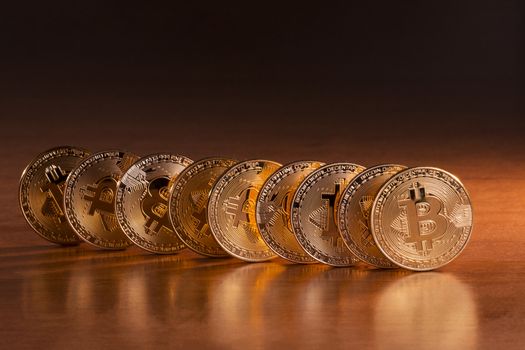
point(339, 214)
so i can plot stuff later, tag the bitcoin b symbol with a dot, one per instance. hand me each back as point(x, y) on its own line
point(103, 201)
point(155, 206)
point(242, 209)
point(236, 206)
point(53, 206)
point(281, 209)
point(425, 222)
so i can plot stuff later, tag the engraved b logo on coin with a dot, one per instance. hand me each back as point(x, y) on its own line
point(424, 220)
point(103, 201)
point(281, 209)
point(53, 205)
point(236, 206)
point(155, 206)
point(241, 208)
point(321, 217)
point(199, 214)
point(365, 204)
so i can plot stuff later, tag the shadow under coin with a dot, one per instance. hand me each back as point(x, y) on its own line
point(426, 311)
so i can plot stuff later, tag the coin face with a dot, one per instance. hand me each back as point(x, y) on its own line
point(142, 202)
point(89, 198)
point(314, 209)
point(41, 193)
point(421, 218)
point(354, 213)
point(188, 205)
point(231, 210)
point(274, 206)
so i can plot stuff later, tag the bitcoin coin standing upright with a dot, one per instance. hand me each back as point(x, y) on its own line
point(41, 193)
point(314, 208)
point(273, 210)
point(89, 198)
point(421, 218)
point(188, 205)
point(231, 210)
point(142, 202)
point(354, 213)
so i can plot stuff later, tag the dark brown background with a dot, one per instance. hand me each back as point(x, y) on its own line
point(419, 83)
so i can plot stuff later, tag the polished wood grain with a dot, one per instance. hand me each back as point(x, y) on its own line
point(82, 298)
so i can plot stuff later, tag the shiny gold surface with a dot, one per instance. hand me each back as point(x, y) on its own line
point(41, 193)
point(353, 213)
point(59, 298)
point(314, 209)
point(231, 210)
point(273, 209)
point(188, 205)
point(421, 218)
point(142, 202)
point(89, 198)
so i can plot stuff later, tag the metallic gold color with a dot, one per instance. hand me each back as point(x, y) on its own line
point(188, 205)
point(142, 202)
point(313, 213)
point(421, 218)
point(274, 206)
point(41, 193)
point(231, 210)
point(89, 198)
point(354, 213)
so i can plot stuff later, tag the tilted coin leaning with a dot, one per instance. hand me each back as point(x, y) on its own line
point(304, 212)
point(231, 210)
point(142, 202)
point(274, 206)
point(354, 213)
point(89, 198)
point(41, 193)
point(188, 205)
point(314, 208)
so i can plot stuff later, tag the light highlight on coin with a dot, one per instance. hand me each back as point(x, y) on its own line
point(354, 213)
point(273, 210)
point(421, 218)
point(231, 210)
point(313, 213)
point(89, 198)
point(188, 205)
point(41, 193)
point(142, 202)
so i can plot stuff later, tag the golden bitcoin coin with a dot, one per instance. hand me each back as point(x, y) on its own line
point(313, 213)
point(41, 193)
point(354, 213)
point(274, 206)
point(421, 218)
point(89, 198)
point(188, 205)
point(142, 202)
point(231, 210)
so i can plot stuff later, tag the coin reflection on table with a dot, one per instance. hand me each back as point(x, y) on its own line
point(238, 303)
point(430, 310)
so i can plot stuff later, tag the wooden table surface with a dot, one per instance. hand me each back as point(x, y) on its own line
point(83, 298)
